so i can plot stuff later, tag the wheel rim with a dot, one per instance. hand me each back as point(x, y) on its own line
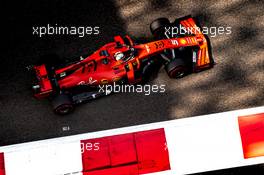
point(178, 72)
point(64, 109)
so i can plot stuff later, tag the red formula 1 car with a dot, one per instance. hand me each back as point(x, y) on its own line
point(123, 61)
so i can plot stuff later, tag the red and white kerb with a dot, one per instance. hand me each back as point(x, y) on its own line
point(184, 146)
point(252, 135)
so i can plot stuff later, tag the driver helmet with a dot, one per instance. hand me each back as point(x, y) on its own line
point(119, 56)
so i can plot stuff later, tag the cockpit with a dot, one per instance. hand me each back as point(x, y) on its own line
point(125, 55)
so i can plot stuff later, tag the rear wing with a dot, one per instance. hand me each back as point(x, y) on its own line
point(42, 87)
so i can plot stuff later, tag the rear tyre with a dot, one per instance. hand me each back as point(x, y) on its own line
point(62, 104)
point(157, 27)
point(176, 68)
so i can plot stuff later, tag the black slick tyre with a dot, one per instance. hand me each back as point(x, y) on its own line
point(157, 27)
point(176, 68)
point(62, 104)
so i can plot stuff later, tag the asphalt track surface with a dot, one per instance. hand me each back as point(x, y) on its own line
point(236, 81)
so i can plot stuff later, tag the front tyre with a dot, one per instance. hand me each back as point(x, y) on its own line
point(62, 104)
point(176, 68)
point(157, 27)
